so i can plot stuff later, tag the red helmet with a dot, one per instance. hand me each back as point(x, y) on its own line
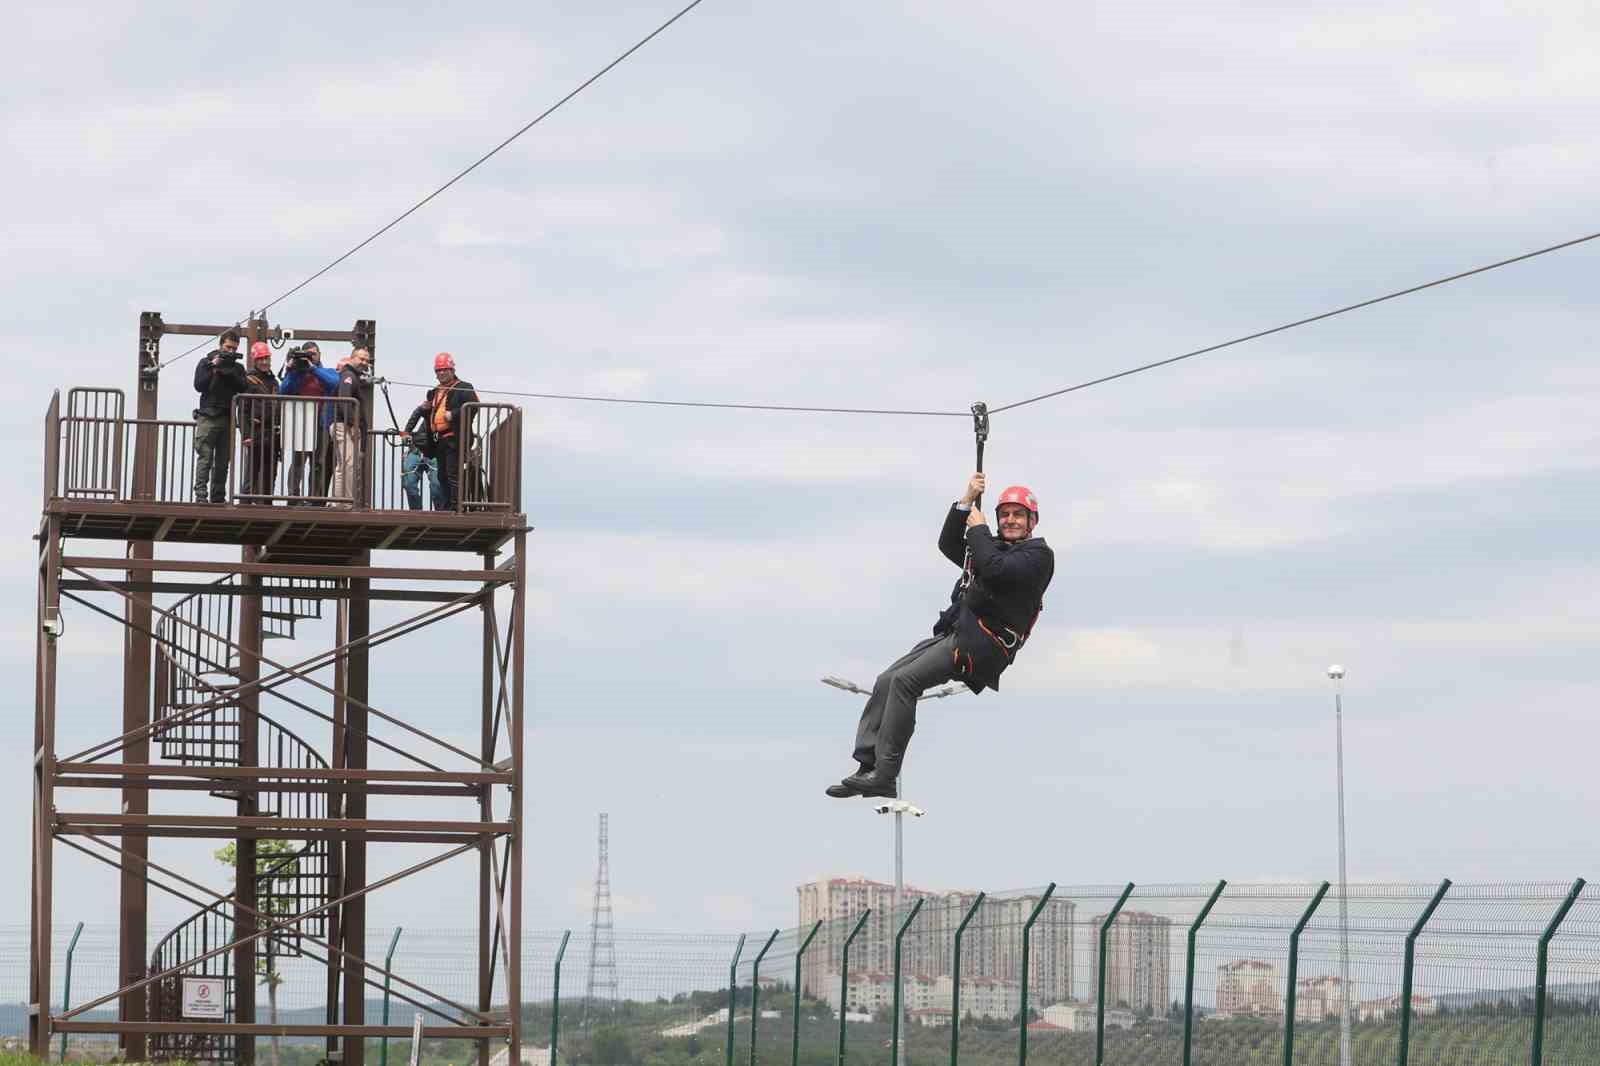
point(260, 350)
point(1021, 495)
point(444, 361)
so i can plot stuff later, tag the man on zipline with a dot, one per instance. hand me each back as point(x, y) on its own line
point(992, 611)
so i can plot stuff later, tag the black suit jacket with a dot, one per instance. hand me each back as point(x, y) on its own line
point(992, 608)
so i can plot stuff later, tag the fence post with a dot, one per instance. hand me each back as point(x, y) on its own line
point(66, 988)
point(733, 987)
point(555, 997)
point(1100, 985)
point(388, 960)
point(894, 1028)
point(794, 1057)
point(1188, 970)
point(1027, 932)
point(1410, 965)
point(1544, 969)
point(755, 992)
point(955, 981)
point(844, 980)
point(1294, 968)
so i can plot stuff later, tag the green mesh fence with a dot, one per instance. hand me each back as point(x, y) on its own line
point(664, 998)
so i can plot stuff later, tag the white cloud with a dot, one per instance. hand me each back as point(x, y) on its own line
point(910, 208)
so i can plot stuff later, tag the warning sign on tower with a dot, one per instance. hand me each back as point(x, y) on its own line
point(203, 998)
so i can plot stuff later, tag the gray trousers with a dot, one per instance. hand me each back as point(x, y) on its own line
point(212, 456)
point(890, 716)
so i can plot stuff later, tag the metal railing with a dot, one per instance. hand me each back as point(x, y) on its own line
point(489, 476)
point(279, 450)
point(91, 447)
point(295, 450)
point(402, 478)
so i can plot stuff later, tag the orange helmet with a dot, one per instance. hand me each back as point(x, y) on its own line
point(1023, 496)
point(260, 350)
point(444, 361)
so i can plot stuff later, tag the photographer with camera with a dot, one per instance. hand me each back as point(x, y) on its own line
point(218, 378)
point(309, 469)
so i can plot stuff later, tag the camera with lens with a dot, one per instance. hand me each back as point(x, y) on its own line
point(299, 358)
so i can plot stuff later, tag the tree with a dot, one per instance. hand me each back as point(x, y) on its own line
point(610, 1046)
point(277, 865)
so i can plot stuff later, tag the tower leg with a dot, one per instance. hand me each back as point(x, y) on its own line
point(486, 813)
point(44, 742)
point(244, 918)
point(134, 891)
point(341, 633)
point(519, 612)
point(354, 918)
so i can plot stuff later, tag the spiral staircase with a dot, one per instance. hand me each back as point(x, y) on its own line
point(193, 669)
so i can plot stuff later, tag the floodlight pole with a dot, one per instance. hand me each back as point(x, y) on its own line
point(1336, 674)
point(899, 807)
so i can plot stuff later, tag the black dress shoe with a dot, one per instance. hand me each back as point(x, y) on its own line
point(875, 786)
point(872, 784)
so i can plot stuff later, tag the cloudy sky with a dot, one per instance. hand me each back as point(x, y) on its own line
point(904, 205)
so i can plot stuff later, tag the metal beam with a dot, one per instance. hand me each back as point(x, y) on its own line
point(308, 773)
point(217, 897)
point(264, 930)
point(356, 646)
point(185, 587)
point(206, 566)
point(437, 1032)
point(83, 819)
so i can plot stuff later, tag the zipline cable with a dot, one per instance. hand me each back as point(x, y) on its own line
point(1048, 395)
point(702, 403)
point(546, 113)
point(1299, 322)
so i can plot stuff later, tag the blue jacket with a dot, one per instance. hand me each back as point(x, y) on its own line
point(314, 381)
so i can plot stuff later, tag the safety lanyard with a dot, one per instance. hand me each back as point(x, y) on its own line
point(980, 430)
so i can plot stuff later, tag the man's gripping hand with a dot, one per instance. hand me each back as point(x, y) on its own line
point(975, 486)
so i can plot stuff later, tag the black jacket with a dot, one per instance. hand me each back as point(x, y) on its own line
point(993, 612)
point(419, 433)
point(261, 415)
point(218, 385)
point(351, 382)
point(456, 396)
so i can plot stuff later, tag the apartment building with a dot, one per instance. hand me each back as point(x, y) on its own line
point(1248, 986)
point(838, 902)
point(927, 999)
point(1319, 998)
point(991, 946)
point(1138, 960)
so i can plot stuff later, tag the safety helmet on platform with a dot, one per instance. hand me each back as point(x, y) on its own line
point(1023, 497)
point(444, 361)
point(260, 350)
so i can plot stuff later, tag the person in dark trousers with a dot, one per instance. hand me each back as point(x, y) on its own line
point(992, 610)
point(218, 379)
point(347, 431)
point(419, 460)
point(444, 402)
point(259, 430)
point(311, 465)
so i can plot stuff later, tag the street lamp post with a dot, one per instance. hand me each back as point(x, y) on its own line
point(1336, 675)
point(898, 806)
